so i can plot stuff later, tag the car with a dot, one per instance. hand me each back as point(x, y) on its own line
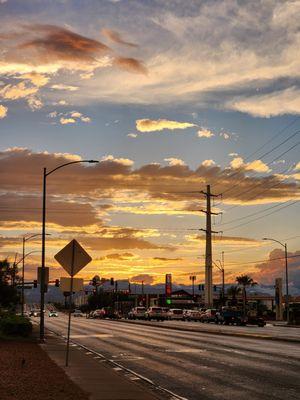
point(36, 313)
point(192, 315)
point(99, 313)
point(208, 315)
point(53, 313)
point(154, 313)
point(137, 313)
point(175, 314)
point(228, 316)
point(77, 313)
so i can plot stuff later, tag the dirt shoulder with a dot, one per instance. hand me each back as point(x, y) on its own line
point(27, 373)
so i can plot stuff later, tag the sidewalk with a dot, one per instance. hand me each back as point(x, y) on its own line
point(89, 372)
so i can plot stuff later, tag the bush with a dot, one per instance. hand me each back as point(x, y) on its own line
point(15, 325)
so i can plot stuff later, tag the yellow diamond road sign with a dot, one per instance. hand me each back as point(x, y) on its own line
point(73, 257)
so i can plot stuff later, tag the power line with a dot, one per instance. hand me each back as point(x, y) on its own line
point(255, 213)
point(268, 164)
point(258, 218)
point(266, 143)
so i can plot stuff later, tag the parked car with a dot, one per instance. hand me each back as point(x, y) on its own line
point(208, 315)
point(110, 312)
point(175, 314)
point(77, 313)
point(99, 313)
point(253, 320)
point(154, 313)
point(228, 316)
point(53, 314)
point(192, 315)
point(137, 313)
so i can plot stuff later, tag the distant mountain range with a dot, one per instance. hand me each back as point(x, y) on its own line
point(54, 293)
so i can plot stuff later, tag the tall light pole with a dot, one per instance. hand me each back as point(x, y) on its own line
point(23, 264)
point(284, 245)
point(24, 240)
point(43, 269)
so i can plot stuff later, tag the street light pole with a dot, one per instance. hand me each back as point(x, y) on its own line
point(43, 268)
point(287, 305)
point(24, 240)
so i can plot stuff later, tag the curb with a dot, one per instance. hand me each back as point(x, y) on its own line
point(219, 333)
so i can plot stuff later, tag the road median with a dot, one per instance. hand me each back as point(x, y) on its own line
point(215, 331)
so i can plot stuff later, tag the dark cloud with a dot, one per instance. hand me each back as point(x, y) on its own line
point(14, 207)
point(165, 259)
point(146, 278)
point(55, 43)
point(22, 172)
point(37, 44)
point(131, 65)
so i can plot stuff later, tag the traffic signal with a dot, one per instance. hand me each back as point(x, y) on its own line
point(35, 283)
point(57, 282)
point(112, 281)
point(201, 287)
point(215, 288)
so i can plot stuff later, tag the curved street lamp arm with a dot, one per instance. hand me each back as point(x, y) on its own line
point(274, 240)
point(23, 258)
point(71, 162)
point(34, 235)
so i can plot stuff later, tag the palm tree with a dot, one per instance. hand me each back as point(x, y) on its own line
point(233, 291)
point(245, 281)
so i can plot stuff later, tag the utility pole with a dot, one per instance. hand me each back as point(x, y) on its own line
point(208, 292)
point(193, 278)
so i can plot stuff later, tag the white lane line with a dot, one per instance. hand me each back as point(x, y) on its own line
point(185, 351)
point(127, 359)
point(88, 352)
point(234, 351)
point(117, 369)
point(95, 335)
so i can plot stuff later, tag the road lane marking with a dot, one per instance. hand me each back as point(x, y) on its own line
point(235, 351)
point(96, 335)
point(185, 351)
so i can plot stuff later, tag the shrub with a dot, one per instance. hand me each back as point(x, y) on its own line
point(15, 325)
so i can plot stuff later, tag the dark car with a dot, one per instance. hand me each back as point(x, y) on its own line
point(230, 317)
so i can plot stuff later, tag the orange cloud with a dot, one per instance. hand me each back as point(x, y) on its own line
point(3, 111)
point(150, 125)
point(116, 37)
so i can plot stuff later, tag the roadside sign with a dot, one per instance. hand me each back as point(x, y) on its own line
point(65, 284)
point(39, 274)
point(73, 257)
point(168, 285)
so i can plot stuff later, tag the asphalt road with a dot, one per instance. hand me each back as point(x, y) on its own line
point(196, 366)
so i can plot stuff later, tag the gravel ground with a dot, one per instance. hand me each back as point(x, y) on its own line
point(27, 373)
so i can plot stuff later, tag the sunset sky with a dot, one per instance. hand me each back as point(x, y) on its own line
point(169, 96)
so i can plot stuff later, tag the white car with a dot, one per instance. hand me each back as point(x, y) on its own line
point(154, 313)
point(175, 314)
point(192, 315)
point(137, 313)
point(53, 314)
